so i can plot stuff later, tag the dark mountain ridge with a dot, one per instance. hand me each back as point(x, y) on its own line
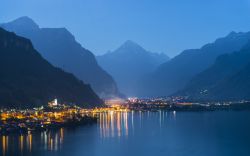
point(28, 80)
point(227, 79)
point(59, 47)
point(176, 73)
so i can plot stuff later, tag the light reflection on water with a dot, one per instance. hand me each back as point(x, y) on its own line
point(122, 124)
point(23, 144)
point(110, 125)
point(141, 133)
point(114, 124)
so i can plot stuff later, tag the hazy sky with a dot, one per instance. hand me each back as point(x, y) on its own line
point(168, 26)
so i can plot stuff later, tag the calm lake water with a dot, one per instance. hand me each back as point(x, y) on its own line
point(142, 134)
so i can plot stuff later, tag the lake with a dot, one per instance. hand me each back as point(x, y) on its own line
point(142, 134)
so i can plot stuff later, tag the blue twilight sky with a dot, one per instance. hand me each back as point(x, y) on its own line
point(168, 26)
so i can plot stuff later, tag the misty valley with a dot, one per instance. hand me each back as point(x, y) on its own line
point(59, 98)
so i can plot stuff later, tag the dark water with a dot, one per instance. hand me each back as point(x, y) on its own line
point(143, 134)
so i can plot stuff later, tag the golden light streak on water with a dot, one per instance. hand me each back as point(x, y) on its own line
point(61, 135)
point(113, 124)
point(51, 144)
point(30, 142)
point(100, 124)
point(21, 143)
point(4, 145)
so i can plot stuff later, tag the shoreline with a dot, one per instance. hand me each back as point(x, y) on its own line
point(60, 116)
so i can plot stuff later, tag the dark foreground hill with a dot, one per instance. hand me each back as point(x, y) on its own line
point(28, 80)
point(59, 47)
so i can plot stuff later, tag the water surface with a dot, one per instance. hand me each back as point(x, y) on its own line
point(142, 134)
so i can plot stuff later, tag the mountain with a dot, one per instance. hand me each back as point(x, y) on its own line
point(176, 73)
point(59, 47)
point(227, 79)
point(28, 80)
point(129, 63)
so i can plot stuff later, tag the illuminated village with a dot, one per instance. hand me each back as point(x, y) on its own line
point(55, 115)
point(40, 119)
point(52, 116)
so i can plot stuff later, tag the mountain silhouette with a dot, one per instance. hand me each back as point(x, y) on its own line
point(28, 80)
point(174, 75)
point(129, 63)
point(59, 47)
point(226, 79)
